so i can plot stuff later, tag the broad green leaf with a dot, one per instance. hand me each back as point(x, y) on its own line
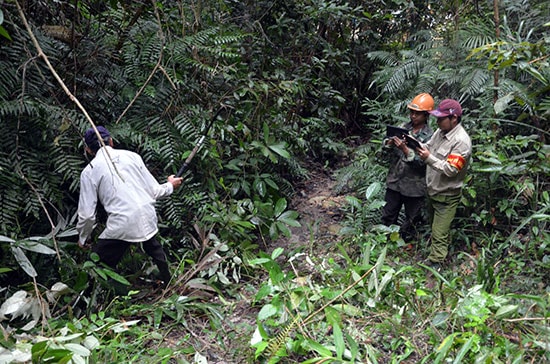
point(280, 206)
point(78, 349)
point(353, 348)
point(289, 217)
point(376, 204)
point(464, 350)
point(356, 276)
point(276, 252)
point(6, 239)
point(260, 348)
point(381, 259)
point(57, 356)
point(222, 277)
point(489, 169)
point(353, 201)
point(280, 149)
point(272, 184)
point(372, 190)
point(117, 277)
point(263, 292)
point(395, 236)
point(349, 310)
point(256, 337)
point(491, 160)
point(124, 326)
point(283, 229)
point(440, 318)
point(4, 33)
point(261, 330)
point(101, 273)
point(506, 311)
point(67, 233)
point(536, 74)
point(23, 261)
point(38, 350)
point(261, 147)
point(385, 280)
point(259, 187)
point(259, 261)
point(267, 311)
point(444, 347)
point(313, 345)
point(35, 247)
point(420, 292)
point(91, 342)
point(65, 338)
point(334, 319)
point(338, 340)
point(502, 103)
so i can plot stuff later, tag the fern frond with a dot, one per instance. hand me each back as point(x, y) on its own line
point(276, 343)
point(475, 82)
point(477, 33)
point(384, 57)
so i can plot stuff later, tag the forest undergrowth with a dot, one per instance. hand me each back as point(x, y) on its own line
point(324, 294)
point(340, 289)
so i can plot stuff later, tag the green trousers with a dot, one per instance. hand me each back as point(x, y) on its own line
point(441, 212)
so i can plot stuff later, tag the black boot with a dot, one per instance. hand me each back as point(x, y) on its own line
point(165, 275)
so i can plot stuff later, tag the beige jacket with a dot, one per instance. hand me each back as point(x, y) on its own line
point(448, 161)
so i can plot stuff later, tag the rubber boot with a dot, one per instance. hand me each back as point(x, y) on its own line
point(165, 275)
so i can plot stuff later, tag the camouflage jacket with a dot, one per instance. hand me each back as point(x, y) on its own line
point(407, 177)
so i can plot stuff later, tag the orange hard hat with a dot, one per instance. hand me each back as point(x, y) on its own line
point(422, 102)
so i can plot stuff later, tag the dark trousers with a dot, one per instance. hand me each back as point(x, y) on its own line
point(413, 212)
point(111, 251)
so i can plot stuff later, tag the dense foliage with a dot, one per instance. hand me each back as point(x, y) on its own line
point(287, 85)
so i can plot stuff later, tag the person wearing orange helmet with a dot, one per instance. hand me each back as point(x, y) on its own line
point(406, 179)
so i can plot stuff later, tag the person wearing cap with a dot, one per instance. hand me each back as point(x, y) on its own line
point(447, 155)
point(406, 179)
point(119, 180)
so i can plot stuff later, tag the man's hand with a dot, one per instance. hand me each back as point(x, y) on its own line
point(423, 153)
point(84, 245)
point(401, 144)
point(175, 181)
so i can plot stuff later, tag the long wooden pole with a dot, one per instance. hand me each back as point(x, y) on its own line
point(73, 98)
point(496, 17)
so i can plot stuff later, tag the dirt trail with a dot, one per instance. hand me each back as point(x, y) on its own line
point(319, 216)
point(320, 213)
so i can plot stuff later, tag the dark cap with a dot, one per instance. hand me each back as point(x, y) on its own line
point(447, 107)
point(90, 137)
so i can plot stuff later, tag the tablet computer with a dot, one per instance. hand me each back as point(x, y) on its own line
point(412, 142)
point(392, 131)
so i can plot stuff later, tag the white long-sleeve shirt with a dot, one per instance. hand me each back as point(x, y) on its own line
point(450, 155)
point(128, 195)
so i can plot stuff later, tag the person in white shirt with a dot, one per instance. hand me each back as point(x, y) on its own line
point(119, 180)
point(447, 155)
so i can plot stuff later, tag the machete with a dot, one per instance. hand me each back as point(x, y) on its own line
point(185, 164)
